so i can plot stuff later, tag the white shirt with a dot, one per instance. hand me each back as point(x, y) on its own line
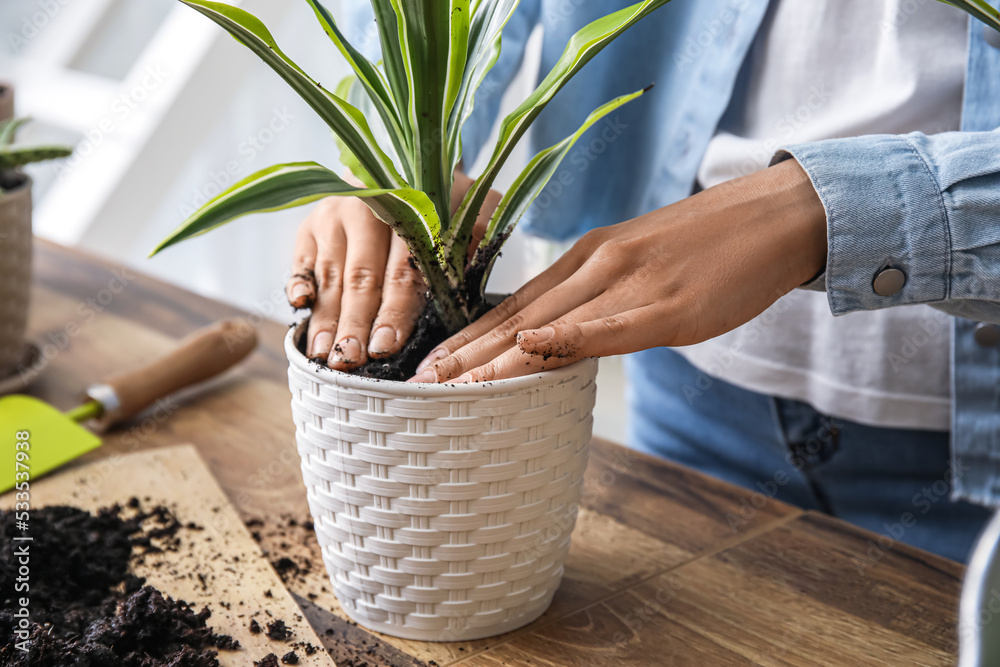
point(824, 69)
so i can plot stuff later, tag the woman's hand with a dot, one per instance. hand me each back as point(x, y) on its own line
point(677, 276)
point(358, 278)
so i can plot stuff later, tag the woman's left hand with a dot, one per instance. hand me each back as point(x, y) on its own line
point(677, 276)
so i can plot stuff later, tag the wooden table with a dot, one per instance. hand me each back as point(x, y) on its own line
point(668, 567)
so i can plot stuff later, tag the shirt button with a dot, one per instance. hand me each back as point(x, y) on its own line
point(987, 335)
point(888, 282)
point(992, 36)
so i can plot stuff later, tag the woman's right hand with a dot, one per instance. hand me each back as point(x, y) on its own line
point(358, 279)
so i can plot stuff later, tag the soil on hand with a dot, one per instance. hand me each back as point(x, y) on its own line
point(86, 609)
point(429, 332)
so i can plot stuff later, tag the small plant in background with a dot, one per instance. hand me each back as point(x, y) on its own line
point(12, 157)
point(435, 54)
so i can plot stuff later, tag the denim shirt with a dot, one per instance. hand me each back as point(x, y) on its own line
point(928, 205)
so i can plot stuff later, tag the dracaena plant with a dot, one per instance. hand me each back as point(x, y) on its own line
point(13, 157)
point(435, 54)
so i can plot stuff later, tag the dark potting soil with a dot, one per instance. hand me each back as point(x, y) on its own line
point(428, 333)
point(278, 631)
point(12, 179)
point(86, 609)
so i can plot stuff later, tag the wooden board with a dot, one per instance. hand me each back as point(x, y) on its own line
point(218, 565)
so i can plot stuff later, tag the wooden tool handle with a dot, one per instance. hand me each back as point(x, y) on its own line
point(200, 356)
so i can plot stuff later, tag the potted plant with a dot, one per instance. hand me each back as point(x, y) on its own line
point(15, 241)
point(6, 101)
point(444, 511)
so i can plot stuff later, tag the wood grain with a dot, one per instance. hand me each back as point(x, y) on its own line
point(807, 593)
point(641, 519)
point(217, 564)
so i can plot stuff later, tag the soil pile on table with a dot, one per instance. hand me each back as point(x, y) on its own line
point(86, 609)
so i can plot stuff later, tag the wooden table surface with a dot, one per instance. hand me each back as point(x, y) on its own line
point(668, 567)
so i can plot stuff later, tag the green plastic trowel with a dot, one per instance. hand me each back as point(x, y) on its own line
point(36, 438)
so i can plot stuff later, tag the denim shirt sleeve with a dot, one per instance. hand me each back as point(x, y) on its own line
point(477, 128)
point(924, 204)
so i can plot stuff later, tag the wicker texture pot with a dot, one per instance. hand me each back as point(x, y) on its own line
point(15, 274)
point(444, 512)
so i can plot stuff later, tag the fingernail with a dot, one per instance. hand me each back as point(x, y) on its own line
point(439, 353)
point(464, 378)
point(300, 290)
point(322, 342)
point(537, 335)
point(428, 376)
point(382, 340)
point(347, 351)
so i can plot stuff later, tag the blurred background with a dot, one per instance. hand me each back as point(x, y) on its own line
point(165, 111)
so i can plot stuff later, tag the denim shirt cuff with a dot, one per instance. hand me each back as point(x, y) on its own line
point(884, 209)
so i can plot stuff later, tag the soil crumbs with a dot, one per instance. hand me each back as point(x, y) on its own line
point(87, 610)
point(349, 646)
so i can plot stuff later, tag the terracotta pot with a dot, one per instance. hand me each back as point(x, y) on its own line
point(444, 511)
point(15, 273)
point(6, 101)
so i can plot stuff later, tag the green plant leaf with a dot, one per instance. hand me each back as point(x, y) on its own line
point(347, 90)
point(582, 47)
point(392, 56)
point(528, 185)
point(289, 185)
point(980, 9)
point(372, 80)
point(434, 67)
point(13, 157)
point(488, 20)
point(409, 212)
point(9, 128)
point(346, 121)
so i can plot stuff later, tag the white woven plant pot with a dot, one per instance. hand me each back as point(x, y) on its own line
point(444, 512)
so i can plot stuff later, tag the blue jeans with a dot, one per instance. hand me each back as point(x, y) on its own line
point(891, 481)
